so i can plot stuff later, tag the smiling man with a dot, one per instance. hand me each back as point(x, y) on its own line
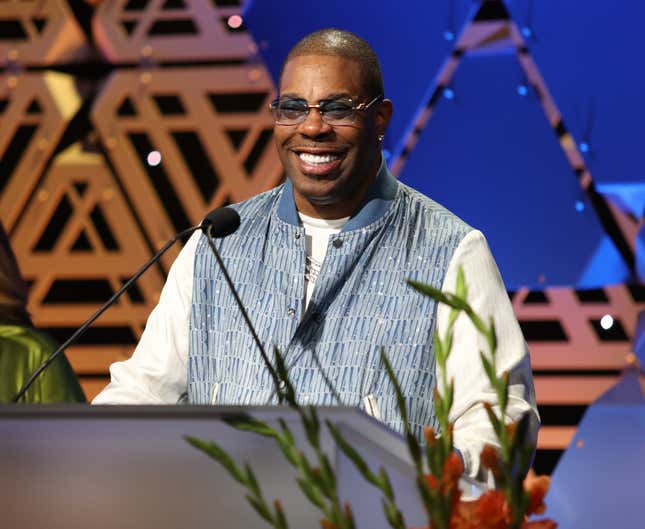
point(321, 264)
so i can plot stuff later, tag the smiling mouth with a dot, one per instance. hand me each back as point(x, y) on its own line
point(318, 159)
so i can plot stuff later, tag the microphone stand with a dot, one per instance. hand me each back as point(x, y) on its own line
point(267, 362)
point(81, 330)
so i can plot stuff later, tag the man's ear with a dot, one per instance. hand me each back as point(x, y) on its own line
point(383, 115)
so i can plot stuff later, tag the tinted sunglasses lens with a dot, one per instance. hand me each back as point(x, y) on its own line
point(290, 112)
point(337, 113)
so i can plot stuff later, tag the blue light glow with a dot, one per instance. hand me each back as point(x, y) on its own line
point(584, 146)
point(448, 35)
point(522, 90)
point(527, 31)
point(580, 206)
point(448, 93)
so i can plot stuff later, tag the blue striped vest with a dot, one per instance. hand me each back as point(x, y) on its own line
point(360, 304)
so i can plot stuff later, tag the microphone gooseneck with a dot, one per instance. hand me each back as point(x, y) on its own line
point(217, 224)
point(210, 232)
point(220, 220)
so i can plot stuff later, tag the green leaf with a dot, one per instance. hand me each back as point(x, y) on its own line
point(461, 289)
point(428, 290)
point(393, 515)
point(400, 399)
point(216, 452)
point(261, 508)
point(280, 519)
point(438, 349)
point(327, 473)
point(503, 392)
point(312, 427)
point(439, 405)
point(415, 449)
point(433, 456)
point(285, 430)
point(305, 467)
point(488, 368)
point(494, 420)
point(323, 485)
point(424, 492)
point(247, 423)
point(389, 514)
point(491, 336)
point(385, 484)
point(251, 481)
point(452, 317)
point(312, 493)
point(447, 348)
point(521, 450)
point(450, 397)
point(287, 443)
point(283, 375)
point(352, 455)
point(477, 321)
point(288, 448)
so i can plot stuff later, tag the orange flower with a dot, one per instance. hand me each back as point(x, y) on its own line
point(348, 511)
point(429, 434)
point(491, 510)
point(327, 524)
point(489, 458)
point(453, 468)
point(537, 487)
point(432, 482)
point(511, 428)
point(463, 516)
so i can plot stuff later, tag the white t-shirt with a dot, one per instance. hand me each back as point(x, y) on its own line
point(317, 233)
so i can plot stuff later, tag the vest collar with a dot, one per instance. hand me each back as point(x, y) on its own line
point(377, 200)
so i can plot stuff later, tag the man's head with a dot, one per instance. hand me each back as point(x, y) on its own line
point(331, 153)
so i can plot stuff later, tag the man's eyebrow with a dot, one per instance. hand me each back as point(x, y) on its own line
point(338, 95)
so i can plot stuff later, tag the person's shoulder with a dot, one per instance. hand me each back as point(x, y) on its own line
point(432, 214)
point(27, 337)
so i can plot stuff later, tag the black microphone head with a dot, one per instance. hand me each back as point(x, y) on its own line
point(222, 222)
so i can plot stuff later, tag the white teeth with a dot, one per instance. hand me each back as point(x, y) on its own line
point(317, 158)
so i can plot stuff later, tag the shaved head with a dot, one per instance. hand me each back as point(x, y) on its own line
point(347, 45)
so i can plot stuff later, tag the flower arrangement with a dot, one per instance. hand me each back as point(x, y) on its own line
point(438, 466)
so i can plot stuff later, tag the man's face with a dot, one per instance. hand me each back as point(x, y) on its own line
point(330, 167)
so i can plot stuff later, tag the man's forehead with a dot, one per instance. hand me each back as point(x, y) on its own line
point(334, 74)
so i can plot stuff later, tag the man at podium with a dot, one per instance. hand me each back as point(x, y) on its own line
point(321, 264)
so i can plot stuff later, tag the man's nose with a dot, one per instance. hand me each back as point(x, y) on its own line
point(313, 124)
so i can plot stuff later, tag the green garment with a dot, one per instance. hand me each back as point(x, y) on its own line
point(22, 350)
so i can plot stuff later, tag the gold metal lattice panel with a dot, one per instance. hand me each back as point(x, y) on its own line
point(78, 242)
point(35, 108)
point(577, 367)
point(159, 30)
point(212, 129)
point(38, 32)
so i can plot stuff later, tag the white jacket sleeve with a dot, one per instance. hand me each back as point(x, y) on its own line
point(487, 296)
point(157, 372)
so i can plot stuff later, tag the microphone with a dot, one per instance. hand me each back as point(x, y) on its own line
point(220, 222)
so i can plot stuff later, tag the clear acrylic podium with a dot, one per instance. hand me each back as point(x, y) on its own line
point(128, 467)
